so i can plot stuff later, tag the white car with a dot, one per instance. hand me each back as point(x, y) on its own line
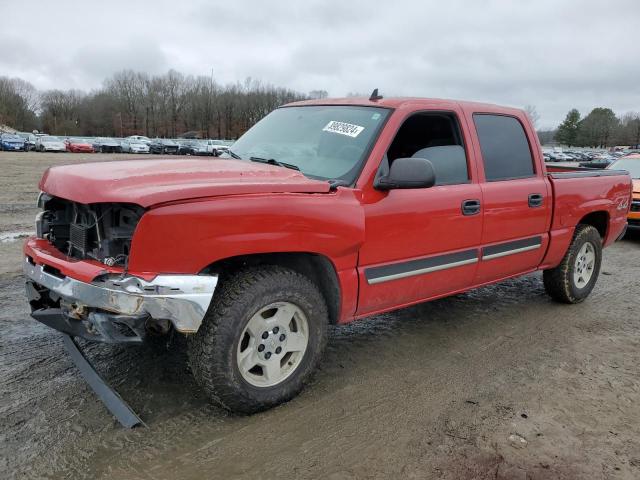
point(48, 143)
point(139, 139)
point(216, 149)
point(134, 146)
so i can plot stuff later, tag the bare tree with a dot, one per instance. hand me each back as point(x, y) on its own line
point(18, 103)
point(318, 94)
point(533, 115)
point(136, 103)
point(61, 111)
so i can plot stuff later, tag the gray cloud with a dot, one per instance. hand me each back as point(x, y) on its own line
point(549, 53)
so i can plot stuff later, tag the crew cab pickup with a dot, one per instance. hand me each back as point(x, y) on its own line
point(324, 212)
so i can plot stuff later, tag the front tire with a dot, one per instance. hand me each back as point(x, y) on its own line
point(577, 274)
point(261, 339)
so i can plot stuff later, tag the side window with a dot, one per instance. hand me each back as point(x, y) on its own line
point(504, 145)
point(436, 137)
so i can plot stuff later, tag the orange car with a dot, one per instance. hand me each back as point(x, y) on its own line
point(631, 163)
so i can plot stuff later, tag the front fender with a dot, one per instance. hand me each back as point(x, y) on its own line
point(187, 237)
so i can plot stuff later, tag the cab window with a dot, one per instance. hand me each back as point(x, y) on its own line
point(435, 137)
point(505, 149)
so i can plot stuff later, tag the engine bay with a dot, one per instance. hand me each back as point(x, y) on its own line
point(100, 231)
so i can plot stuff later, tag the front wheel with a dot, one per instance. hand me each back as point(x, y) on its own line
point(575, 277)
point(261, 339)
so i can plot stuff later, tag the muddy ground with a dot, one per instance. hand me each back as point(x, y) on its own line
point(496, 383)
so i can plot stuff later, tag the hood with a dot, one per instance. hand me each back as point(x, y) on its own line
point(150, 182)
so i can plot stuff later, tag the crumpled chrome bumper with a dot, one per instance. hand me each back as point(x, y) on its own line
point(181, 299)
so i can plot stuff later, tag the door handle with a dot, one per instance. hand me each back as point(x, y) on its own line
point(535, 200)
point(470, 207)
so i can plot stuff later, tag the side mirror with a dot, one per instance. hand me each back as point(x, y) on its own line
point(408, 173)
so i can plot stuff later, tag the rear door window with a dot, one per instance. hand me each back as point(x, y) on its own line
point(505, 149)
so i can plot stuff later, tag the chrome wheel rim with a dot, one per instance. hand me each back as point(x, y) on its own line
point(272, 344)
point(584, 265)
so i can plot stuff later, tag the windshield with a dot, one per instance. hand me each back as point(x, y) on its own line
point(325, 142)
point(631, 165)
point(50, 139)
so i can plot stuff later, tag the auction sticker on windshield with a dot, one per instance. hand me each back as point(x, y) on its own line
point(343, 128)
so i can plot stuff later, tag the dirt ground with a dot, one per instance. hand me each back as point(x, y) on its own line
point(496, 383)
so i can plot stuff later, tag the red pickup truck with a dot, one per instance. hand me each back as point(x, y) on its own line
point(324, 212)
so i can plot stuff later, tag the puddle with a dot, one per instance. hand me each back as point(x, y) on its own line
point(7, 237)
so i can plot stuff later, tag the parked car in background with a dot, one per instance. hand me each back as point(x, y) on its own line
point(49, 143)
point(192, 147)
point(214, 148)
point(11, 142)
point(631, 163)
point(556, 157)
point(106, 145)
point(29, 140)
point(579, 157)
point(601, 162)
point(129, 145)
point(78, 145)
point(139, 139)
point(163, 146)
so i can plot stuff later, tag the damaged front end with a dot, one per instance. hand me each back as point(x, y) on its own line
point(101, 231)
point(111, 307)
point(77, 282)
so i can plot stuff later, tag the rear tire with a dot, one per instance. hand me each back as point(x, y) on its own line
point(261, 339)
point(575, 277)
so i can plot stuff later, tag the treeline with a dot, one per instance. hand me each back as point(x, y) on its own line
point(135, 103)
point(601, 128)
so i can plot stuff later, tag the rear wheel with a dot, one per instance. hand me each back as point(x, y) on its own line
point(261, 340)
point(575, 277)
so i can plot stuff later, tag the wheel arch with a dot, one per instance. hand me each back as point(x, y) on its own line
point(318, 268)
point(599, 220)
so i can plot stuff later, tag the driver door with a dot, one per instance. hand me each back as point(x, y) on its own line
point(422, 243)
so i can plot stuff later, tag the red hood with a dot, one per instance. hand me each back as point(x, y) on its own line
point(149, 182)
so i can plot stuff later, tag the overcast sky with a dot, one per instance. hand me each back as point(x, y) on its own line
point(553, 54)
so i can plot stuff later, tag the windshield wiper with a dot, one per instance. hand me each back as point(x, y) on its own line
point(335, 183)
point(273, 161)
point(234, 155)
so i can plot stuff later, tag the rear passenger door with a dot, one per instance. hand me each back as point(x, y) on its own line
point(516, 197)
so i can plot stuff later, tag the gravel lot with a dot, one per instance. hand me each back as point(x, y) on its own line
point(496, 383)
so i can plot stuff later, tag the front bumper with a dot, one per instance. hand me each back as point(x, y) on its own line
point(103, 308)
